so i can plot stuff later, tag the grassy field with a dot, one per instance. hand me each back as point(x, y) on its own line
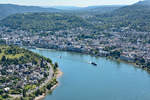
point(3, 49)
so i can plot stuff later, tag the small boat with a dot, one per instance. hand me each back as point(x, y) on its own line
point(93, 63)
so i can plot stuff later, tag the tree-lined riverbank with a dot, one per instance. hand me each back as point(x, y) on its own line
point(58, 75)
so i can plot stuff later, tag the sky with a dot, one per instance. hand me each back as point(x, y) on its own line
point(80, 3)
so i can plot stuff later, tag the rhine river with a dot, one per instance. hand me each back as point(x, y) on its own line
point(110, 80)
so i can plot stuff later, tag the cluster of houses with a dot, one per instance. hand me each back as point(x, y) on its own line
point(18, 76)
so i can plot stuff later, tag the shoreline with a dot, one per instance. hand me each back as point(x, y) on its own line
point(59, 73)
point(109, 57)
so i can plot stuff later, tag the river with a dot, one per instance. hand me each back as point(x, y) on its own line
point(110, 80)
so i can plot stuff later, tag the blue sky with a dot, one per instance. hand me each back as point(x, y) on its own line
point(68, 2)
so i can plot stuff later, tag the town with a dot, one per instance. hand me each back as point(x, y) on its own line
point(126, 44)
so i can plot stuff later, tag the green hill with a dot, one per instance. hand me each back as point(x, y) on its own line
point(16, 55)
point(136, 16)
point(44, 22)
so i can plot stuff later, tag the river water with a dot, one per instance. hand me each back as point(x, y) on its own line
point(110, 80)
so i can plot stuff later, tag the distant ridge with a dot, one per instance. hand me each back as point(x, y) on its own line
point(101, 9)
point(87, 8)
point(144, 2)
point(67, 7)
point(9, 9)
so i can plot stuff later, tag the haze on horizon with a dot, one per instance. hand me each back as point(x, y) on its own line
point(79, 3)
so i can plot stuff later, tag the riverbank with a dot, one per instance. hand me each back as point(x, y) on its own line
point(134, 63)
point(137, 65)
point(58, 74)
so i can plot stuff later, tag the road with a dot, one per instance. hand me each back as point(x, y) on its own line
point(51, 72)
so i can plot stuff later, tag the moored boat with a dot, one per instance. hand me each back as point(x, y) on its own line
point(93, 63)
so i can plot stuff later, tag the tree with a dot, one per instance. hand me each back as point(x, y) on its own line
point(3, 59)
point(24, 93)
point(42, 63)
point(21, 98)
point(5, 96)
point(38, 92)
point(55, 65)
point(1, 91)
point(34, 62)
point(49, 86)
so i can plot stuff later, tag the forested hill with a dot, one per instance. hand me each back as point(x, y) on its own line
point(9, 9)
point(140, 8)
point(145, 2)
point(44, 22)
point(136, 16)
